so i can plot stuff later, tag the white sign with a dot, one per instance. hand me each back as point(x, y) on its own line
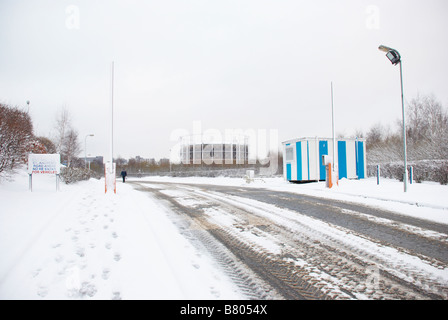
point(326, 160)
point(44, 163)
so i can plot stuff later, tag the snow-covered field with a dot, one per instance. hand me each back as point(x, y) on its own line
point(80, 243)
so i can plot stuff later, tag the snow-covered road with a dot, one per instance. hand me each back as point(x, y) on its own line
point(299, 256)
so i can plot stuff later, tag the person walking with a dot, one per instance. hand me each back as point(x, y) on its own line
point(123, 175)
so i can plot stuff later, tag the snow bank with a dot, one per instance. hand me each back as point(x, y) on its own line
point(80, 243)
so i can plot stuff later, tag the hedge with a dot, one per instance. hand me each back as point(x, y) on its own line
point(423, 170)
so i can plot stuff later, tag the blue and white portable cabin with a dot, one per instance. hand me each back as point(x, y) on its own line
point(302, 158)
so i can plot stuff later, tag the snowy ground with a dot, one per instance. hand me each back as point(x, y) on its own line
point(79, 243)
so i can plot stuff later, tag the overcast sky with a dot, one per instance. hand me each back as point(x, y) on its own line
point(229, 64)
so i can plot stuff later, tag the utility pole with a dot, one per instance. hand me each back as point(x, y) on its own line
point(333, 128)
point(110, 165)
point(111, 156)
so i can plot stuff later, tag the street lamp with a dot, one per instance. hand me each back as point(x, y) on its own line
point(395, 58)
point(85, 149)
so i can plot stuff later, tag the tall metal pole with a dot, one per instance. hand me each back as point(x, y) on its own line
point(112, 115)
point(395, 57)
point(405, 174)
point(333, 129)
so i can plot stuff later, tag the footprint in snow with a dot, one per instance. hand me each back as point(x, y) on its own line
point(106, 273)
point(36, 272)
point(87, 289)
point(81, 252)
point(59, 258)
point(215, 292)
point(42, 291)
point(116, 296)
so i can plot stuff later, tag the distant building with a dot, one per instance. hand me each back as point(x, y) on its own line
point(98, 160)
point(196, 150)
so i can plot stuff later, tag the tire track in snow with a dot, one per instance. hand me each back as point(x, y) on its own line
point(196, 230)
point(324, 260)
point(424, 276)
point(276, 273)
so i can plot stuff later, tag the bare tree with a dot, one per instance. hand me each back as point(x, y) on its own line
point(71, 146)
point(66, 139)
point(62, 126)
point(375, 136)
point(427, 128)
point(427, 142)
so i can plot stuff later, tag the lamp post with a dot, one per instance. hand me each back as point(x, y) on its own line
point(85, 149)
point(395, 58)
